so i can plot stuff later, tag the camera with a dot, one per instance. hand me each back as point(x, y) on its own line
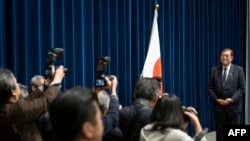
point(52, 55)
point(186, 117)
point(100, 71)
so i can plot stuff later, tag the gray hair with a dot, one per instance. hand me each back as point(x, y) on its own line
point(35, 80)
point(103, 99)
point(23, 91)
point(6, 84)
point(147, 88)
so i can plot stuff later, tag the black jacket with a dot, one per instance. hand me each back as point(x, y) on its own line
point(133, 118)
point(111, 119)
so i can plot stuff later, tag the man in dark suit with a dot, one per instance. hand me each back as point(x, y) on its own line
point(226, 88)
point(109, 105)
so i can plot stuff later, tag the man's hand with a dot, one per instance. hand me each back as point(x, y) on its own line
point(229, 100)
point(192, 109)
point(49, 79)
point(59, 74)
point(223, 102)
point(112, 83)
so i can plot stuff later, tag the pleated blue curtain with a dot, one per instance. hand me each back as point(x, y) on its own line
point(192, 34)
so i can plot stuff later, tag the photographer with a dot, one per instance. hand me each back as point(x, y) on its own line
point(37, 82)
point(109, 106)
point(17, 116)
point(167, 121)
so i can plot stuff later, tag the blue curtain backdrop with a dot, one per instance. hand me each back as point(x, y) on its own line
point(192, 34)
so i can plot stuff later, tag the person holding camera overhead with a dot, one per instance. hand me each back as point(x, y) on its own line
point(167, 121)
point(110, 109)
point(38, 82)
point(18, 116)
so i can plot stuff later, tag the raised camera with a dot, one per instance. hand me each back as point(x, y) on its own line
point(99, 82)
point(100, 71)
point(52, 55)
point(186, 117)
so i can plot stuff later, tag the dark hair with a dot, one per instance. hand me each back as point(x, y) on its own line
point(228, 49)
point(6, 84)
point(167, 113)
point(70, 110)
point(146, 88)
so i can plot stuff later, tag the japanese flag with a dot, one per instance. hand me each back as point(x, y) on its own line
point(152, 66)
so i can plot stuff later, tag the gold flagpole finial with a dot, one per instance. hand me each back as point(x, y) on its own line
point(157, 6)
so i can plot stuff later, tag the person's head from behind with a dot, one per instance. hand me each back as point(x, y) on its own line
point(148, 89)
point(23, 91)
point(37, 82)
point(75, 115)
point(9, 88)
point(104, 101)
point(168, 112)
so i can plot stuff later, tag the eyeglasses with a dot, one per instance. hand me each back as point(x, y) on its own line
point(225, 55)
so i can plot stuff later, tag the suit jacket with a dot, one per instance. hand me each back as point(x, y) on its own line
point(234, 87)
point(23, 114)
point(133, 118)
point(111, 119)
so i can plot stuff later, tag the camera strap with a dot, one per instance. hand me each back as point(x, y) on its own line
point(201, 134)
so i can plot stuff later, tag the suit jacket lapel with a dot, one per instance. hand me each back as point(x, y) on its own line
point(230, 73)
point(220, 75)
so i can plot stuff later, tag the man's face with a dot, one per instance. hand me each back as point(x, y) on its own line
point(41, 84)
point(16, 92)
point(226, 58)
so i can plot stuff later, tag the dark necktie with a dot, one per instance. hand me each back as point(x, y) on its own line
point(224, 76)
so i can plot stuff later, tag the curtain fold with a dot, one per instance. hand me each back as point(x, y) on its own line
point(247, 97)
point(2, 33)
point(192, 33)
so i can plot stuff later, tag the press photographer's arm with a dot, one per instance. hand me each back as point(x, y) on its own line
point(55, 80)
point(57, 76)
point(112, 84)
point(192, 114)
point(111, 116)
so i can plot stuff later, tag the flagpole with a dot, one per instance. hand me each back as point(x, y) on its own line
point(157, 6)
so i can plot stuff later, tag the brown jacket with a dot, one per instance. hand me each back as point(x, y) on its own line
point(23, 113)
